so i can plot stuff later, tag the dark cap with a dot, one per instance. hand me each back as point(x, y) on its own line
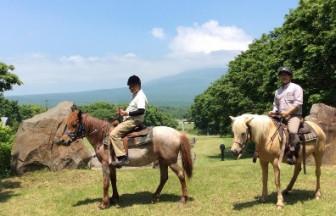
point(133, 80)
point(286, 70)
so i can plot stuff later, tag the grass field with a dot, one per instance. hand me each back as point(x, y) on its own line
point(227, 187)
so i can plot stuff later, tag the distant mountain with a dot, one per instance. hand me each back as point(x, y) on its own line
point(176, 90)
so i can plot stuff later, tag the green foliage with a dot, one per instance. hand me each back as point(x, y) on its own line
point(178, 112)
point(101, 110)
point(29, 110)
point(11, 110)
point(153, 117)
point(306, 42)
point(6, 139)
point(7, 79)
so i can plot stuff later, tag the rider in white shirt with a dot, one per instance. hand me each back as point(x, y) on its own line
point(133, 116)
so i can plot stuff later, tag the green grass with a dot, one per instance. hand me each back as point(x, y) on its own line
point(227, 187)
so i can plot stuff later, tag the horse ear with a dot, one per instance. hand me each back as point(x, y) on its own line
point(79, 115)
point(74, 108)
point(232, 118)
point(247, 121)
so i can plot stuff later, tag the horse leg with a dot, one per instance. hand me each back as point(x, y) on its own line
point(264, 168)
point(297, 170)
point(318, 162)
point(276, 168)
point(180, 174)
point(113, 178)
point(106, 183)
point(163, 180)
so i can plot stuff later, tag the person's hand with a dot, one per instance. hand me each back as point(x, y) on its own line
point(271, 113)
point(122, 112)
point(284, 114)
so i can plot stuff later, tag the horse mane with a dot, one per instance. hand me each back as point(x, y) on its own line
point(260, 125)
point(96, 128)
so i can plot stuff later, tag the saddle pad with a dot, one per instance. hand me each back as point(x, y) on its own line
point(309, 137)
point(307, 133)
point(140, 140)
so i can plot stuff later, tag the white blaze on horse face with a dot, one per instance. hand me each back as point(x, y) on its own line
point(239, 137)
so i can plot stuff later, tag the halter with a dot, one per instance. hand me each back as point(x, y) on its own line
point(248, 134)
point(78, 133)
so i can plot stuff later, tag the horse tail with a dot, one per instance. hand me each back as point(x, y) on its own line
point(185, 149)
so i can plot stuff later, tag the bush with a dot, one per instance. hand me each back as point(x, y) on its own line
point(106, 111)
point(6, 139)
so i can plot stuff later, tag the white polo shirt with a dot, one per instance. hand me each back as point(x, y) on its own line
point(139, 101)
point(287, 97)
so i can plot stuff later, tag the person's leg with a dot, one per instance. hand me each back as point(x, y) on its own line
point(293, 127)
point(116, 136)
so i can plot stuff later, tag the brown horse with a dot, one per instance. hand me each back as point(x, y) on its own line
point(261, 130)
point(165, 147)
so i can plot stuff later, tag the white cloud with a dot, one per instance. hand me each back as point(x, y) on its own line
point(195, 47)
point(158, 33)
point(78, 73)
point(209, 37)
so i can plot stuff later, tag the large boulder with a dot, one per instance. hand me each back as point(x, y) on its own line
point(325, 116)
point(34, 146)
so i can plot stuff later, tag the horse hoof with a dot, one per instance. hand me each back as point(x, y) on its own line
point(155, 199)
point(103, 206)
point(114, 200)
point(262, 199)
point(285, 192)
point(280, 205)
point(184, 200)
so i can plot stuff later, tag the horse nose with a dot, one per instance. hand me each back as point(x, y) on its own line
point(234, 151)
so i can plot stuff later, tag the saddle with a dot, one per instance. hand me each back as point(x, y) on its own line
point(140, 136)
point(305, 133)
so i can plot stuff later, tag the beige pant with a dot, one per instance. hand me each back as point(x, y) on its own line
point(294, 124)
point(118, 133)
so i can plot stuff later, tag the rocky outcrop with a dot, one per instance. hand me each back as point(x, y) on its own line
point(325, 116)
point(34, 146)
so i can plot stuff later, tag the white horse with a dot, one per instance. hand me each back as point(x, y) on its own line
point(261, 130)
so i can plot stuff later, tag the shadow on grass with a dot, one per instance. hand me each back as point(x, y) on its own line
point(139, 198)
point(227, 156)
point(292, 198)
point(6, 189)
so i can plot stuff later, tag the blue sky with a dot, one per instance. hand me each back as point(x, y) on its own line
point(97, 44)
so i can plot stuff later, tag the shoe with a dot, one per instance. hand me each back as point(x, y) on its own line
point(122, 161)
point(291, 159)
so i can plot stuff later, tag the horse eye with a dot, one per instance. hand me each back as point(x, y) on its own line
point(74, 125)
point(243, 134)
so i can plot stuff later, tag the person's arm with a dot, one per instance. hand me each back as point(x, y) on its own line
point(137, 112)
point(275, 106)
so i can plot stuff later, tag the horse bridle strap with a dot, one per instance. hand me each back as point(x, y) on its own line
point(248, 134)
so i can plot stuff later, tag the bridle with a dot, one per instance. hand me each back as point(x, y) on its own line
point(78, 133)
point(243, 145)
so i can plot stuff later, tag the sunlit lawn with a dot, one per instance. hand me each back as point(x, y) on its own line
point(227, 187)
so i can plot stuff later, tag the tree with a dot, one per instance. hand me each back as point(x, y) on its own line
point(306, 42)
point(6, 139)
point(7, 79)
point(27, 111)
point(106, 111)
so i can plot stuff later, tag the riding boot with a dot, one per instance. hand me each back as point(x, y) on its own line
point(122, 161)
point(294, 148)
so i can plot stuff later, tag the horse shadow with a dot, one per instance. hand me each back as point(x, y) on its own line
point(6, 189)
point(293, 197)
point(138, 198)
point(227, 156)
